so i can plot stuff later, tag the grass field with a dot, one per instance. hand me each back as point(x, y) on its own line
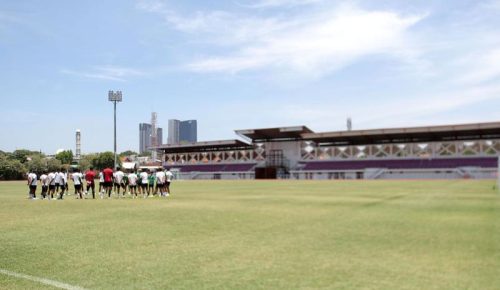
point(259, 235)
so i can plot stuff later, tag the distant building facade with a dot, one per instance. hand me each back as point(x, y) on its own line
point(180, 132)
point(188, 132)
point(173, 131)
point(159, 135)
point(145, 132)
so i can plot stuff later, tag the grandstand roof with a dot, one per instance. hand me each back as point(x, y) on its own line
point(411, 134)
point(206, 146)
point(279, 133)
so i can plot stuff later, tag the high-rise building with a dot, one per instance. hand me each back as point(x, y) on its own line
point(145, 132)
point(182, 131)
point(78, 144)
point(173, 131)
point(188, 131)
point(159, 135)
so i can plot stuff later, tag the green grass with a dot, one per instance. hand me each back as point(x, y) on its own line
point(260, 235)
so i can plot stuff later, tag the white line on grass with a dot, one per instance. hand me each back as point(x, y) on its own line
point(41, 280)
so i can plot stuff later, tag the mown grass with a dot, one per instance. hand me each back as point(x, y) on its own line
point(260, 235)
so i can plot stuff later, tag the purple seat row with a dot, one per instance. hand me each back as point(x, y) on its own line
point(438, 163)
point(244, 167)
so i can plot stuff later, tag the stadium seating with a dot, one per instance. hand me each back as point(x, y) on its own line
point(234, 167)
point(441, 163)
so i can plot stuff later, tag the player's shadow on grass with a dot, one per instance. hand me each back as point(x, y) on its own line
point(384, 200)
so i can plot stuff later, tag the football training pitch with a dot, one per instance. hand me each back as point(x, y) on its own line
point(257, 235)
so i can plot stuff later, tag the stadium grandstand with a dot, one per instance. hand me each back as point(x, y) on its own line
point(435, 152)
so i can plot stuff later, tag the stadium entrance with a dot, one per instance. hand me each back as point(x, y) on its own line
point(265, 173)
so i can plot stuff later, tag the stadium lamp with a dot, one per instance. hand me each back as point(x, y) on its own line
point(115, 98)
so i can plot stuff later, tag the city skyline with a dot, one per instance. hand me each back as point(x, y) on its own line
point(245, 64)
point(181, 132)
point(145, 138)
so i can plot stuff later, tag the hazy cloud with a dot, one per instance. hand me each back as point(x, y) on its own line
point(311, 43)
point(109, 73)
point(281, 3)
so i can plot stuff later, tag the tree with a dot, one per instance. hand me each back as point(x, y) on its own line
point(37, 165)
point(89, 160)
point(128, 153)
point(53, 164)
point(23, 154)
point(11, 168)
point(106, 159)
point(65, 156)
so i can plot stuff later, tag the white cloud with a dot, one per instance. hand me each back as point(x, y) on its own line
point(412, 110)
point(491, 5)
point(109, 73)
point(318, 45)
point(479, 67)
point(281, 3)
point(311, 43)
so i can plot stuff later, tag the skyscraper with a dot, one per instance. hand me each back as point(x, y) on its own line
point(182, 131)
point(78, 144)
point(159, 135)
point(173, 131)
point(188, 131)
point(145, 131)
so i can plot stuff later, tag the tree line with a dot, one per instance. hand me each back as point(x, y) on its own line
point(14, 165)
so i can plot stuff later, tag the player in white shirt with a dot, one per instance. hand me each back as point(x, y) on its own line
point(58, 180)
point(132, 183)
point(143, 176)
point(32, 182)
point(77, 178)
point(52, 184)
point(118, 175)
point(66, 177)
point(160, 182)
point(169, 176)
point(44, 180)
point(101, 184)
point(62, 183)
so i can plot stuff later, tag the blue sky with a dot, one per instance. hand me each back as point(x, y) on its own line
point(241, 64)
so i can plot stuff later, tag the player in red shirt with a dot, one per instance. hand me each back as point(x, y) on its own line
point(89, 177)
point(108, 180)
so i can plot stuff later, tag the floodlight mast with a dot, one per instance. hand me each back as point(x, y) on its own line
point(115, 97)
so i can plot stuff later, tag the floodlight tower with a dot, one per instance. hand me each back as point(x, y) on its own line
point(78, 145)
point(115, 97)
point(154, 135)
point(349, 124)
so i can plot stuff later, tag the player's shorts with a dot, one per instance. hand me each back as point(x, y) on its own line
point(52, 186)
point(78, 186)
point(44, 188)
point(144, 185)
point(168, 183)
point(33, 187)
point(108, 184)
point(117, 184)
point(132, 186)
point(159, 185)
